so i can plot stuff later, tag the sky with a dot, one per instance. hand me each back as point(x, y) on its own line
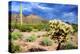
point(49, 11)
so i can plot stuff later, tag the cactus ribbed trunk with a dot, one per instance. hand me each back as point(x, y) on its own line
point(58, 46)
point(59, 43)
point(21, 14)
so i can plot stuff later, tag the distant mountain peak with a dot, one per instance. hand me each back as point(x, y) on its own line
point(32, 18)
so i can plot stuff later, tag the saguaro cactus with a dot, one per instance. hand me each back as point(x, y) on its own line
point(59, 31)
point(21, 14)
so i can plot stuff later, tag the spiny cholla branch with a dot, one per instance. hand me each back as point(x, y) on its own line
point(59, 30)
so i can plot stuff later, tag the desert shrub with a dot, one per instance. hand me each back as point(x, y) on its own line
point(46, 41)
point(69, 46)
point(15, 35)
point(75, 27)
point(17, 26)
point(46, 27)
point(35, 30)
point(14, 25)
point(35, 26)
point(31, 38)
point(39, 26)
point(59, 31)
point(15, 48)
point(42, 27)
point(24, 28)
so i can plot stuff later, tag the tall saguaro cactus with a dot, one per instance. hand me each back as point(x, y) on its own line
point(21, 22)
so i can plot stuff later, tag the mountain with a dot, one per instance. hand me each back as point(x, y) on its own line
point(32, 18)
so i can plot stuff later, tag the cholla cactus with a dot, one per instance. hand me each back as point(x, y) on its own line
point(59, 30)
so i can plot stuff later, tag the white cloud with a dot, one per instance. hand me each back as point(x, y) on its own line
point(68, 14)
point(27, 9)
point(36, 5)
point(71, 17)
point(15, 8)
point(41, 7)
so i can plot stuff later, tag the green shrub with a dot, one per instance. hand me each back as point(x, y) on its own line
point(12, 25)
point(29, 27)
point(46, 27)
point(15, 35)
point(24, 28)
point(39, 27)
point(35, 26)
point(31, 38)
point(15, 48)
point(75, 27)
point(46, 41)
point(70, 46)
point(35, 30)
point(15, 25)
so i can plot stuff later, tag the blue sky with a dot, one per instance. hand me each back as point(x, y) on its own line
point(49, 11)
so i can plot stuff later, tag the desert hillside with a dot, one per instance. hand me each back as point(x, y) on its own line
point(32, 18)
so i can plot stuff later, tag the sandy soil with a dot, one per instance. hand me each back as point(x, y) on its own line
point(28, 45)
point(36, 44)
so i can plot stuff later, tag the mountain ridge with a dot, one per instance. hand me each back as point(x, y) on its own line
point(32, 18)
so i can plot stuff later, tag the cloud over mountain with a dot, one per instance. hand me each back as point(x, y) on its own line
point(65, 12)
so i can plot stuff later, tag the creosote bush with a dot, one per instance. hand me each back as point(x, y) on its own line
point(46, 41)
point(59, 31)
point(31, 38)
point(15, 35)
